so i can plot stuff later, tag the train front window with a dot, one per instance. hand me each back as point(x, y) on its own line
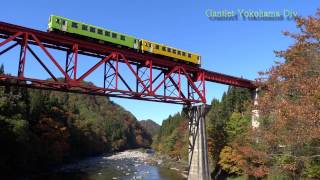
point(84, 27)
point(64, 22)
point(92, 29)
point(74, 25)
point(58, 21)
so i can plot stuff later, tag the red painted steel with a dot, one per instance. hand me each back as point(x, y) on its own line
point(228, 80)
point(71, 62)
point(154, 76)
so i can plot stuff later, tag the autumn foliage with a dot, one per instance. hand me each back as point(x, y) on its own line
point(40, 129)
point(287, 141)
point(231, 160)
point(172, 138)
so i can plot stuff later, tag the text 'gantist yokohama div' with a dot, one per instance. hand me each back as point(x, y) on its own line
point(244, 14)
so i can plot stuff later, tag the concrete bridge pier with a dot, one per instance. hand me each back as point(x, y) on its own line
point(198, 148)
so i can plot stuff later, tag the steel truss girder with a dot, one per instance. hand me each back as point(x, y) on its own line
point(72, 62)
point(152, 82)
point(64, 43)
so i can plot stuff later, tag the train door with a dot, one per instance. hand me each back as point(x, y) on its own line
point(151, 47)
point(64, 25)
point(136, 44)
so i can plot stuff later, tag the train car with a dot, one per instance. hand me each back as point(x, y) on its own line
point(61, 24)
point(178, 54)
point(58, 23)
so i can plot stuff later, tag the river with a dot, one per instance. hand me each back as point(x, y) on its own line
point(125, 165)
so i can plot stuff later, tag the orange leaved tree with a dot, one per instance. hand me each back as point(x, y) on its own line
point(290, 104)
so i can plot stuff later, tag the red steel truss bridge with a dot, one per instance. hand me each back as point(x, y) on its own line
point(121, 72)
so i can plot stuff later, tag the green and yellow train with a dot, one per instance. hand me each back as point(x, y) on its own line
point(58, 23)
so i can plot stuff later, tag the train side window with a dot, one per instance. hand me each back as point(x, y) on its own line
point(169, 49)
point(122, 37)
point(179, 52)
point(183, 54)
point(84, 27)
point(163, 48)
point(92, 29)
point(74, 25)
point(114, 35)
point(174, 51)
point(64, 22)
point(58, 21)
point(157, 46)
point(99, 31)
point(189, 55)
point(107, 33)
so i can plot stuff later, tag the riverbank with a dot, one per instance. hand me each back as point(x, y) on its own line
point(165, 161)
point(130, 164)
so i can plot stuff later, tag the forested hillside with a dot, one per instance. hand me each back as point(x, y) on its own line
point(39, 129)
point(150, 126)
point(286, 143)
point(172, 137)
point(225, 119)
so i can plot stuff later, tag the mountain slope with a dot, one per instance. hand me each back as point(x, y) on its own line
point(40, 129)
point(150, 126)
point(172, 138)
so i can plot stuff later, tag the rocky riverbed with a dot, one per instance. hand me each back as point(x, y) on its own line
point(131, 164)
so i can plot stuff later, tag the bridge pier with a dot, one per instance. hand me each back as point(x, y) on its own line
point(255, 112)
point(198, 148)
